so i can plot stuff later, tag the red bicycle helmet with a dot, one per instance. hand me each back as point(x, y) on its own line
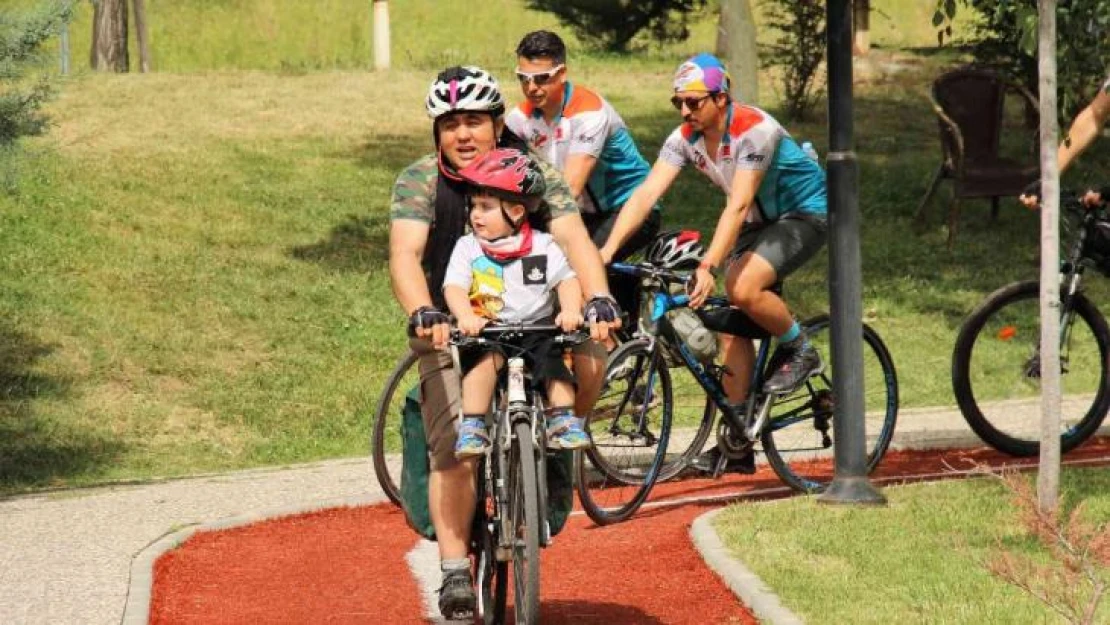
point(509, 174)
point(678, 250)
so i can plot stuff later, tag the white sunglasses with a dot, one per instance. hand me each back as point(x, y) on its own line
point(538, 78)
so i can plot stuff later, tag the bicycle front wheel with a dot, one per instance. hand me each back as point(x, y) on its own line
point(629, 427)
point(996, 370)
point(524, 526)
point(386, 430)
point(798, 437)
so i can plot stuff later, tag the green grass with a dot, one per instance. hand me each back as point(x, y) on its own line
point(193, 263)
point(918, 560)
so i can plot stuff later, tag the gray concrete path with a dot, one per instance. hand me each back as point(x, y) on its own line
point(65, 556)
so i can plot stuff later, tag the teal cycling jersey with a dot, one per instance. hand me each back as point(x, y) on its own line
point(792, 181)
point(586, 124)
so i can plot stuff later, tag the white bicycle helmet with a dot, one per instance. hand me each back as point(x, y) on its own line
point(464, 89)
point(680, 249)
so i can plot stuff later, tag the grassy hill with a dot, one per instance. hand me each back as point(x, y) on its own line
point(192, 262)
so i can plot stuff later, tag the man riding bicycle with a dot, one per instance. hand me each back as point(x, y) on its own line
point(774, 220)
point(427, 216)
point(578, 132)
point(1085, 128)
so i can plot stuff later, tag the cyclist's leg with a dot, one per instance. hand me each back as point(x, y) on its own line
point(480, 369)
point(779, 249)
point(589, 372)
point(451, 486)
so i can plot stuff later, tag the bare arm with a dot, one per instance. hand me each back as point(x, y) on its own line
point(740, 199)
point(571, 235)
point(577, 172)
point(407, 238)
point(570, 304)
point(1084, 129)
point(636, 210)
point(745, 183)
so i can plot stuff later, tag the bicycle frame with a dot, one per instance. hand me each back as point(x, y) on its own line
point(749, 423)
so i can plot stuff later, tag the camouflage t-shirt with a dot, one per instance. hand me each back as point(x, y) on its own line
point(414, 193)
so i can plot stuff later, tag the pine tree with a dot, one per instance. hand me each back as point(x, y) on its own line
point(21, 94)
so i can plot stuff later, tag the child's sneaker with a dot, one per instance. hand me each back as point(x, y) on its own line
point(565, 431)
point(473, 439)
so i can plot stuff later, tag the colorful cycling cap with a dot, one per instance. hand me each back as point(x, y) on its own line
point(703, 72)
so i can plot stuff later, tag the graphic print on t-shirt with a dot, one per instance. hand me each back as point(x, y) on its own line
point(534, 269)
point(488, 288)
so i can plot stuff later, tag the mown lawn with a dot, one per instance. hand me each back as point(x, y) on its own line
point(921, 559)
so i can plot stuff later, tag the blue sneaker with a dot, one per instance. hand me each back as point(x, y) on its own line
point(565, 431)
point(473, 439)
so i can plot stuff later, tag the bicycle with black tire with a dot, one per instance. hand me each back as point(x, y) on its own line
point(633, 423)
point(385, 429)
point(996, 365)
point(512, 508)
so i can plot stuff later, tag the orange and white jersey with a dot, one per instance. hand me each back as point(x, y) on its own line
point(586, 124)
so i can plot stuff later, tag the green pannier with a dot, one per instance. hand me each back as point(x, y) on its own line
point(415, 469)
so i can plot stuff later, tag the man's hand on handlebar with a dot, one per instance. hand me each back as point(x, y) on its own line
point(700, 286)
point(604, 314)
point(430, 323)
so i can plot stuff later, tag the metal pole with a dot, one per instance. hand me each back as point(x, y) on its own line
point(850, 484)
point(63, 49)
point(381, 34)
point(1048, 477)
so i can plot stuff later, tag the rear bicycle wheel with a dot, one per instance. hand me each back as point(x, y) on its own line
point(629, 428)
point(996, 370)
point(524, 523)
point(386, 430)
point(798, 437)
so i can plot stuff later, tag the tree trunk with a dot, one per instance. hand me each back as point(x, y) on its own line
point(109, 36)
point(141, 35)
point(1048, 474)
point(736, 46)
point(861, 27)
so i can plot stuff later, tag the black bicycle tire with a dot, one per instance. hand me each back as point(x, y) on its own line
point(961, 374)
point(781, 466)
point(705, 428)
point(492, 575)
point(608, 516)
point(382, 421)
point(526, 607)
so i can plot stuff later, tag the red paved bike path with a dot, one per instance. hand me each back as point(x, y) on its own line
point(347, 565)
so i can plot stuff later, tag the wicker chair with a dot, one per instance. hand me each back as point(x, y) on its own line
point(970, 105)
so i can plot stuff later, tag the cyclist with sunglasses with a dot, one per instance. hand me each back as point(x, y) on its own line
point(774, 220)
point(578, 132)
point(428, 214)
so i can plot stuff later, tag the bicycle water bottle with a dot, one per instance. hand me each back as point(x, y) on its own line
point(808, 148)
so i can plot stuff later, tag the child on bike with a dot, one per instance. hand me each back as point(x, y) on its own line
point(505, 271)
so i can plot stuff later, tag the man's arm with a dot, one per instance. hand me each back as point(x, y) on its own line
point(577, 172)
point(407, 238)
point(636, 210)
point(745, 183)
point(1084, 129)
point(571, 235)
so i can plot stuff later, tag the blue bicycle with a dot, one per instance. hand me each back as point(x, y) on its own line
point(659, 396)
